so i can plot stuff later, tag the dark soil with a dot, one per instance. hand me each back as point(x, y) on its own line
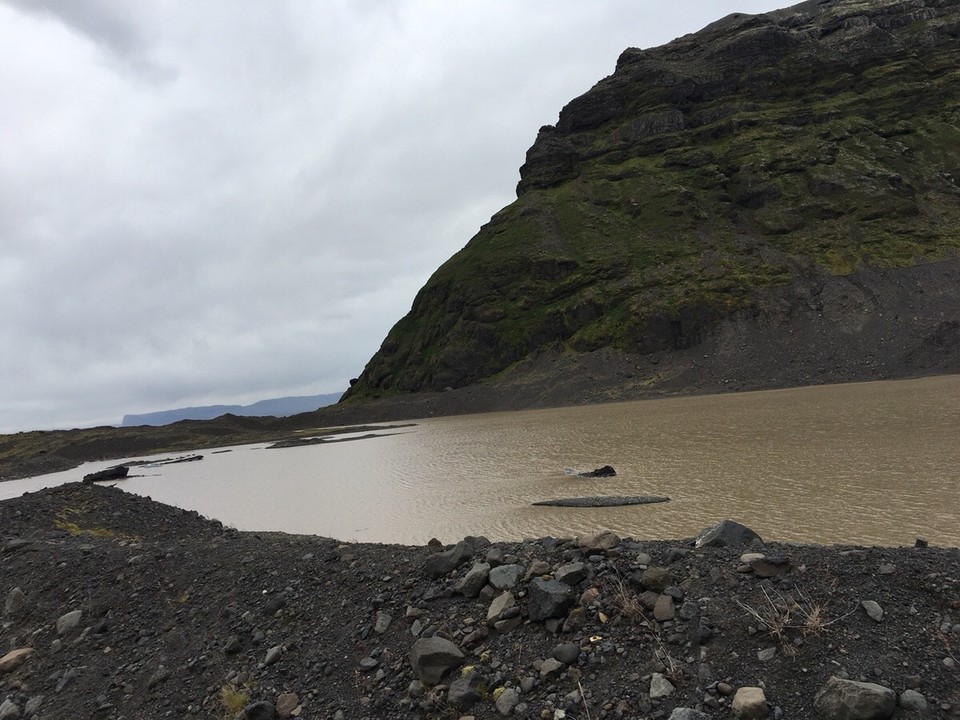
point(181, 617)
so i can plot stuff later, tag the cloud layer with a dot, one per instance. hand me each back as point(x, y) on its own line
point(220, 202)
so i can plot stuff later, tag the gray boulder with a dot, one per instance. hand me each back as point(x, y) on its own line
point(432, 658)
point(728, 533)
point(464, 692)
point(572, 573)
point(850, 700)
point(548, 599)
point(262, 710)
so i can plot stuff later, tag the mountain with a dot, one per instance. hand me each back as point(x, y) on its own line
point(276, 407)
point(773, 200)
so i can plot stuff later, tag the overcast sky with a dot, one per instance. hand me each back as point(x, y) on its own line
point(222, 201)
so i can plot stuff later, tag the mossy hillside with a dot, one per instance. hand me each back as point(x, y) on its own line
point(683, 204)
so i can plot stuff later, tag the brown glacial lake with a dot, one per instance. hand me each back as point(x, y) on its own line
point(868, 463)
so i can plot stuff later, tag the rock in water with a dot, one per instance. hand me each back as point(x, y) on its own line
point(843, 699)
point(728, 533)
point(432, 658)
point(600, 472)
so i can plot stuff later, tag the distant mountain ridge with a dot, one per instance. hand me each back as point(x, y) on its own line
point(275, 407)
point(772, 201)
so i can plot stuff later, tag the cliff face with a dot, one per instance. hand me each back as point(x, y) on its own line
point(719, 179)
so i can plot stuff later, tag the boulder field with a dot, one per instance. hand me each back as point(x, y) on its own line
point(118, 607)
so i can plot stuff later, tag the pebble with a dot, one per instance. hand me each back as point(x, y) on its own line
point(68, 621)
point(508, 701)
point(912, 701)
point(660, 687)
point(873, 609)
point(750, 703)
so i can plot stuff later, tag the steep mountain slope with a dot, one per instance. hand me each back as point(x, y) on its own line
point(776, 195)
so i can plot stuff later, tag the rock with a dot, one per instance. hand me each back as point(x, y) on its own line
point(162, 674)
point(766, 567)
point(687, 714)
point(842, 699)
point(656, 579)
point(508, 701)
point(750, 703)
point(382, 623)
point(67, 622)
point(14, 659)
point(660, 687)
point(728, 533)
point(432, 658)
point(9, 710)
point(500, 603)
point(664, 610)
point(912, 701)
point(273, 654)
point(368, 663)
point(548, 599)
point(33, 706)
point(597, 501)
point(589, 596)
point(441, 563)
point(551, 668)
point(505, 577)
point(874, 611)
point(13, 602)
point(886, 569)
point(537, 567)
point(567, 652)
point(473, 582)
point(766, 654)
point(571, 574)
point(603, 540)
point(117, 472)
point(600, 472)
point(262, 710)
point(464, 692)
point(287, 703)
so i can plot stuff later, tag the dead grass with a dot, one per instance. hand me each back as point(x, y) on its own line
point(787, 617)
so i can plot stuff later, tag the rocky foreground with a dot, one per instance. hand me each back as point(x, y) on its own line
point(119, 607)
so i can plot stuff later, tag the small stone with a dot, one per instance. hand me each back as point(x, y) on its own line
point(567, 653)
point(724, 689)
point(656, 579)
point(912, 701)
point(589, 597)
point(682, 713)
point(262, 710)
point(766, 567)
point(603, 540)
point(500, 603)
point(886, 569)
point(161, 675)
point(473, 582)
point(572, 573)
point(67, 622)
point(852, 700)
point(368, 663)
point(508, 701)
point(382, 623)
point(551, 669)
point(766, 654)
point(874, 611)
point(432, 658)
point(286, 704)
point(13, 659)
point(9, 710)
point(14, 600)
point(728, 533)
point(750, 703)
point(664, 610)
point(660, 687)
point(464, 692)
point(273, 654)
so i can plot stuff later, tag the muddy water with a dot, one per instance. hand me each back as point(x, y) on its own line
point(872, 463)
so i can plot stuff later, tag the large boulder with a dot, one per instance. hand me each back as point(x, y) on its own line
point(728, 533)
point(432, 658)
point(843, 699)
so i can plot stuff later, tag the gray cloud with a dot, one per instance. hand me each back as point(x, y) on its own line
point(220, 201)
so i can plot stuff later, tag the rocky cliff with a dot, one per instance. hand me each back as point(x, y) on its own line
point(776, 196)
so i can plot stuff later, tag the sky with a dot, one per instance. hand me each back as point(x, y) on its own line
point(233, 200)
